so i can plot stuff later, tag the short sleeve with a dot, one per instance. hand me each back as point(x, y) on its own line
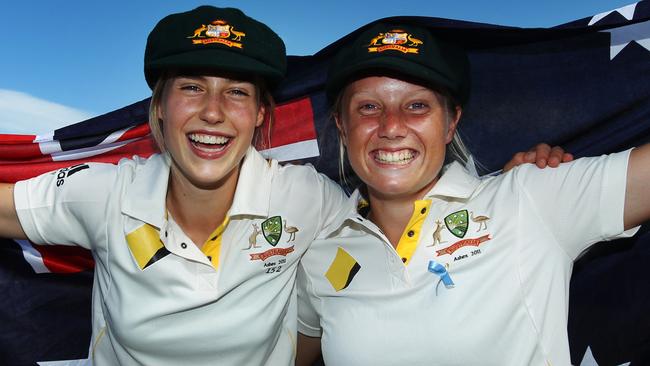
point(581, 202)
point(66, 206)
point(334, 207)
point(308, 318)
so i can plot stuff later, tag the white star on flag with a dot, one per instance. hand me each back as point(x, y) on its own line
point(588, 359)
point(627, 11)
point(621, 37)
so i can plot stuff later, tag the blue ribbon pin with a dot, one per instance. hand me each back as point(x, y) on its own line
point(441, 271)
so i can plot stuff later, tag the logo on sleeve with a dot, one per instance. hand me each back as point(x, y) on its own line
point(64, 173)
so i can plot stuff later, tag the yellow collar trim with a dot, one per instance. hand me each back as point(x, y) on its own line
point(212, 247)
point(411, 235)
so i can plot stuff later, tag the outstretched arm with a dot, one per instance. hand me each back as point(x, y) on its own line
point(9, 224)
point(637, 192)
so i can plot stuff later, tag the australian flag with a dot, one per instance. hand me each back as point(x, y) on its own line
point(583, 85)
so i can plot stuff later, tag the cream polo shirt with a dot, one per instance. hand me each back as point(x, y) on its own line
point(157, 298)
point(507, 243)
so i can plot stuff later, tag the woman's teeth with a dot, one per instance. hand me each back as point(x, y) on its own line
point(208, 139)
point(395, 157)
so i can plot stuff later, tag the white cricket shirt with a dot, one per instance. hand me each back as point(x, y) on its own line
point(157, 298)
point(507, 243)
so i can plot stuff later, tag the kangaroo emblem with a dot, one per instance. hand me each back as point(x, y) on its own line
point(374, 41)
point(198, 31)
point(237, 34)
point(437, 239)
point(414, 41)
point(252, 239)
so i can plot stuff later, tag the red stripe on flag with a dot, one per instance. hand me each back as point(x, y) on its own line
point(135, 132)
point(65, 259)
point(17, 151)
point(13, 172)
point(294, 122)
point(8, 139)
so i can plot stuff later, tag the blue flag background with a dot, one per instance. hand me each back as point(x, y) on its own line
point(583, 85)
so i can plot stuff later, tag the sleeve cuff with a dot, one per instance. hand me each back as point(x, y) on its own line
point(23, 211)
point(308, 330)
point(613, 197)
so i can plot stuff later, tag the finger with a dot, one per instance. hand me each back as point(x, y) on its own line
point(542, 153)
point(555, 157)
point(530, 156)
point(517, 159)
point(567, 157)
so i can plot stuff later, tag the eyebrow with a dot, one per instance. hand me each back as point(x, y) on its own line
point(203, 78)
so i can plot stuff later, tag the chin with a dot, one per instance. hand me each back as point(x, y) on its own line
point(384, 189)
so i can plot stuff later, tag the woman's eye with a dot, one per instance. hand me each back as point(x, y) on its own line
point(417, 106)
point(239, 92)
point(368, 108)
point(191, 88)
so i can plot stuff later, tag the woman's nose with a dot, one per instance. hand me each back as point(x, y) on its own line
point(211, 111)
point(392, 125)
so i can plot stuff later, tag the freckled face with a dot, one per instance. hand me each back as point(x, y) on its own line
point(395, 134)
point(208, 124)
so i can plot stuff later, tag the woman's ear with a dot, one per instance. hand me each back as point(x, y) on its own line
point(159, 112)
point(261, 113)
point(339, 126)
point(453, 124)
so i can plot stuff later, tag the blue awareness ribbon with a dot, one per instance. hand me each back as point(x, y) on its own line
point(441, 271)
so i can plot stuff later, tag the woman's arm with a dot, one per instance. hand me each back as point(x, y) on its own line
point(9, 224)
point(637, 191)
point(308, 350)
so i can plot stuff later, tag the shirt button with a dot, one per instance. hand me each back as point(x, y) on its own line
point(183, 245)
point(423, 210)
point(410, 233)
point(210, 258)
point(165, 233)
point(403, 260)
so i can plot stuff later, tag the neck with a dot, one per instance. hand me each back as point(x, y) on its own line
point(391, 216)
point(391, 213)
point(199, 211)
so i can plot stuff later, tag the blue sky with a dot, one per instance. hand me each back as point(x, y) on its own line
point(65, 61)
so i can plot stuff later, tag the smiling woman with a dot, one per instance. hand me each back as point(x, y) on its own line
point(431, 265)
point(395, 133)
point(175, 282)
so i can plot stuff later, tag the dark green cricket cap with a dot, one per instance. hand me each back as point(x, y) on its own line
point(220, 39)
point(405, 50)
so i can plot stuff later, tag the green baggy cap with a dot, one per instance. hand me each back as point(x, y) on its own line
point(405, 50)
point(220, 39)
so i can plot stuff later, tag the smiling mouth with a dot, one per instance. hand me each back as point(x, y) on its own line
point(209, 143)
point(401, 157)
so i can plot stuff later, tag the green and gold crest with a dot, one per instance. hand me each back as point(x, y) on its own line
point(457, 223)
point(272, 229)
